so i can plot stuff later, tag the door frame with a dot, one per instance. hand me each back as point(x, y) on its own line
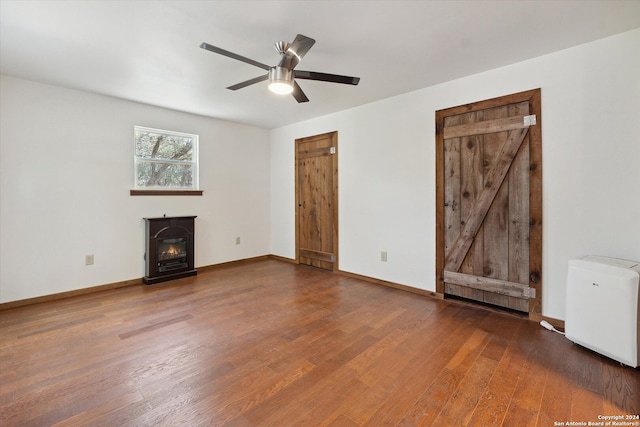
point(535, 189)
point(334, 141)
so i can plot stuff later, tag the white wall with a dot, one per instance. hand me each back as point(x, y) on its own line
point(591, 166)
point(66, 162)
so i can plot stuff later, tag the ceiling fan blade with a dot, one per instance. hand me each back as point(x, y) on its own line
point(296, 50)
point(324, 77)
point(301, 45)
point(249, 82)
point(220, 51)
point(298, 94)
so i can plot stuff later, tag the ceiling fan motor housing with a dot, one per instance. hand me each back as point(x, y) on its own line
point(280, 74)
point(280, 80)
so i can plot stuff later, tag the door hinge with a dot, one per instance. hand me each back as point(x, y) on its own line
point(529, 293)
point(332, 150)
point(530, 120)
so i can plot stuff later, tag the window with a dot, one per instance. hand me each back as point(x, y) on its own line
point(165, 160)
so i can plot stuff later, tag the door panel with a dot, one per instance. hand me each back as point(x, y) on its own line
point(316, 201)
point(489, 201)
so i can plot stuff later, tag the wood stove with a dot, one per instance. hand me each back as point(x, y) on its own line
point(169, 250)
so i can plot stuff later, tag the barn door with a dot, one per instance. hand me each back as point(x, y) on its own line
point(317, 201)
point(489, 201)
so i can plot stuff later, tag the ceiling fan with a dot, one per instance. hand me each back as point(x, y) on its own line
point(282, 76)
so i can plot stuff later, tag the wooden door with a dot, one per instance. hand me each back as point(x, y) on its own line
point(317, 201)
point(489, 202)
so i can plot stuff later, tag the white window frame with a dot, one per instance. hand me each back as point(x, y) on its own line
point(194, 163)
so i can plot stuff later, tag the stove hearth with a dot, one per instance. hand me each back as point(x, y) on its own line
point(169, 248)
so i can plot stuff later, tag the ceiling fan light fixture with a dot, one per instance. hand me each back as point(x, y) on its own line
point(280, 80)
point(281, 88)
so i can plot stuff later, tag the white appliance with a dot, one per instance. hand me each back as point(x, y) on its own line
point(602, 307)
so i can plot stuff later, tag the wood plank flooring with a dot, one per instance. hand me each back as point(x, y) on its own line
point(276, 344)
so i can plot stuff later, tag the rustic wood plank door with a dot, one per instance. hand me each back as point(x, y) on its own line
point(489, 202)
point(317, 201)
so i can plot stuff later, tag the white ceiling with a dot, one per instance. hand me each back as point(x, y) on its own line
point(148, 51)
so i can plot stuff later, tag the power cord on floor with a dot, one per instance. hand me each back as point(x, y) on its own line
point(550, 327)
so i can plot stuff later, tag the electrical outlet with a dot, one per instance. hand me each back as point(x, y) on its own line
point(237, 240)
point(88, 260)
point(383, 256)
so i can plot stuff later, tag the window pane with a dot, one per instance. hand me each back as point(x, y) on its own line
point(152, 145)
point(165, 159)
point(164, 175)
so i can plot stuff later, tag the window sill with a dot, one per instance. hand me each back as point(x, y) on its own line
point(165, 192)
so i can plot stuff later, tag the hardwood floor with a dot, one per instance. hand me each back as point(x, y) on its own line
point(272, 343)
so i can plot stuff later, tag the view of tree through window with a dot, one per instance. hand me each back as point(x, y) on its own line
point(165, 159)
